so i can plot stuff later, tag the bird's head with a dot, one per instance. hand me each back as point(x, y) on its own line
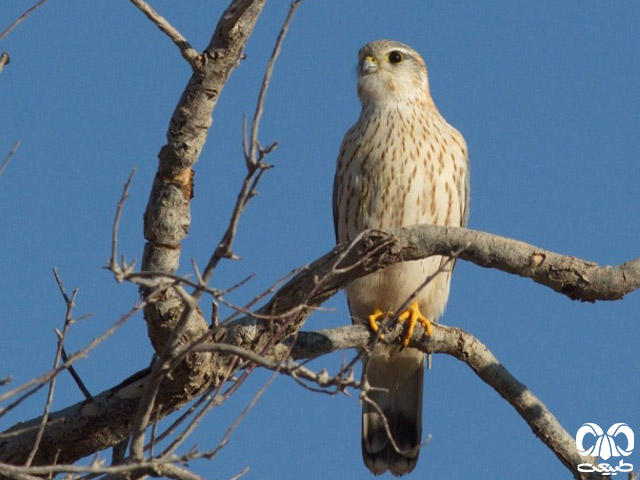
point(390, 72)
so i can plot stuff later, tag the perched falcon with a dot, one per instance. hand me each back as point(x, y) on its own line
point(401, 164)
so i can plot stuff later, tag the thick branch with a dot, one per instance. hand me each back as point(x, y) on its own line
point(76, 435)
point(167, 216)
point(578, 279)
point(77, 431)
point(468, 349)
point(447, 340)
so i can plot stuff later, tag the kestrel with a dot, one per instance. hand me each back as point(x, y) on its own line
point(401, 164)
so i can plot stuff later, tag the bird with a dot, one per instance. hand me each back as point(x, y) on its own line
point(400, 164)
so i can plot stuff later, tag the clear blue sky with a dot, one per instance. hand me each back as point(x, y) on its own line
point(547, 95)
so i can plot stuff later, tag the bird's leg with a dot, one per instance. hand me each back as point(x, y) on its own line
point(374, 317)
point(413, 315)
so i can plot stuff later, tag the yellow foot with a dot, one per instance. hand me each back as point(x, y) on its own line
point(374, 317)
point(413, 315)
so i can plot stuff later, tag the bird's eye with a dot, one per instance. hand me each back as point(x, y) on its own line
point(395, 57)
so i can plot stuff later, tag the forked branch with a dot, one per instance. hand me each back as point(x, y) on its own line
point(187, 51)
point(447, 340)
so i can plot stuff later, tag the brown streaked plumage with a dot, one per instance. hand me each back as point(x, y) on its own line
point(401, 164)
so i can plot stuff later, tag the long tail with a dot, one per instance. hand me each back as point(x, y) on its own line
point(400, 373)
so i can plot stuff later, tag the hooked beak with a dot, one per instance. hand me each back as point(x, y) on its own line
point(368, 65)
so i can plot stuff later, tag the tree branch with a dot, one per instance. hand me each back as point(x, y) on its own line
point(374, 249)
point(20, 19)
point(91, 426)
point(256, 166)
point(469, 350)
point(577, 279)
point(447, 340)
point(14, 149)
point(167, 216)
point(4, 60)
point(187, 51)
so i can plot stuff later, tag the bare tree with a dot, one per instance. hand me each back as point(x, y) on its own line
point(201, 362)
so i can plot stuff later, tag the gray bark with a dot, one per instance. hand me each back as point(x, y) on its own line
point(86, 427)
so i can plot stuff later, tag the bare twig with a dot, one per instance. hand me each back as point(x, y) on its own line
point(167, 212)
point(324, 277)
point(173, 471)
point(455, 342)
point(68, 301)
point(35, 387)
point(68, 321)
point(187, 51)
point(239, 418)
point(242, 473)
point(246, 309)
point(120, 271)
point(185, 415)
point(387, 428)
point(11, 153)
point(75, 376)
point(5, 59)
point(250, 153)
point(149, 279)
point(38, 382)
point(157, 467)
point(287, 367)
point(216, 400)
point(158, 372)
point(21, 18)
point(223, 250)
point(255, 163)
point(154, 427)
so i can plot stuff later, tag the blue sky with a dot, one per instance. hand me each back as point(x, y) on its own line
point(547, 95)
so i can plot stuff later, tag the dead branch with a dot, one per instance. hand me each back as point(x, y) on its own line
point(120, 270)
point(5, 59)
point(167, 216)
point(76, 378)
point(254, 156)
point(164, 467)
point(20, 19)
point(250, 149)
point(107, 419)
point(68, 321)
point(447, 340)
point(324, 278)
point(576, 278)
point(90, 426)
point(13, 150)
point(286, 366)
point(469, 350)
point(187, 51)
point(35, 384)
